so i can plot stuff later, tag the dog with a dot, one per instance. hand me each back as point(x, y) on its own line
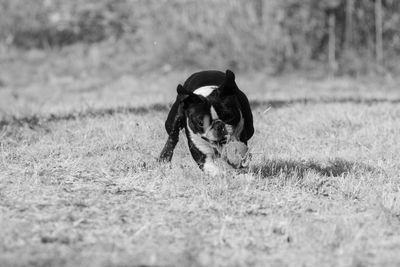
point(213, 111)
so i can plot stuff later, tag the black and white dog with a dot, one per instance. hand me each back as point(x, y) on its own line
point(212, 110)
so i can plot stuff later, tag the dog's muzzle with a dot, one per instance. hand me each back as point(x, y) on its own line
point(219, 127)
point(217, 133)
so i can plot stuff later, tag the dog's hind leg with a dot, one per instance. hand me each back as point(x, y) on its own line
point(173, 125)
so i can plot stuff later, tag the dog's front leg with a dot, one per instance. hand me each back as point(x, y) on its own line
point(173, 125)
point(168, 150)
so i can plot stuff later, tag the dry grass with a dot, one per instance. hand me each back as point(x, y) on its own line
point(82, 186)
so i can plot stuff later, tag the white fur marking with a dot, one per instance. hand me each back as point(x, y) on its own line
point(235, 132)
point(214, 114)
point(206, 123)
point(205, 90)
point(204, 146)
point(211, 168)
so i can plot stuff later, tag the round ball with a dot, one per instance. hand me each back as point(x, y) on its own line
point(235, 153)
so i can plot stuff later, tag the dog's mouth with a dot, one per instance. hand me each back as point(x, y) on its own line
point(216, 134)
point(219, 142)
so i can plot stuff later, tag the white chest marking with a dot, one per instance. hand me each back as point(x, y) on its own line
point(205, 90)
point(204, 146)
point(211, 168)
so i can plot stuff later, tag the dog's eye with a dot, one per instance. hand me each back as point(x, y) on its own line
point(228, 119)
point(200, 122)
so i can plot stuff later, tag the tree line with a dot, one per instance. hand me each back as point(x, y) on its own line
point(348, 33)
point(343, 36)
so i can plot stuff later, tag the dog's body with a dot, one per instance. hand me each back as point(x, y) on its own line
point(212, 110)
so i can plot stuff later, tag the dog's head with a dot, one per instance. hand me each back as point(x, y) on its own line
point(214, 116)
point(201, 117)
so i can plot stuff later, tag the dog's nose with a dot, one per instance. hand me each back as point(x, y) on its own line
point(219, 126)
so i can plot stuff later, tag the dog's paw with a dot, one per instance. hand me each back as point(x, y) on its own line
point(212, 169)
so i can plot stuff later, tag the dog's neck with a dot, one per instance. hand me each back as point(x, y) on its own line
point(205, 90)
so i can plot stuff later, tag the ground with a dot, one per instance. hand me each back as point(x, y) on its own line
point(80, 184)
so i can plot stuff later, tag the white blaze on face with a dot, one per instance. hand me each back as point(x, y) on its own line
point(206, 91)
point(214, 114)
point(235, 132)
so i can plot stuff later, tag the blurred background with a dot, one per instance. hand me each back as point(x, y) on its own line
point(318, 37)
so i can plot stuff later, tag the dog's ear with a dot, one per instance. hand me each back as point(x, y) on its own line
point(187, 97)
point(229, 86)
point(230, 76)
point(182, 91)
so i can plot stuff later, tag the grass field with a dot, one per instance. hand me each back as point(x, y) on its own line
point(80, 184)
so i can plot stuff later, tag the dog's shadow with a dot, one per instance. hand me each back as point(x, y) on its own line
point(288, 168)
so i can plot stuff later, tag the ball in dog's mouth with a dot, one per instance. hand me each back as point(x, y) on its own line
point(235, 153)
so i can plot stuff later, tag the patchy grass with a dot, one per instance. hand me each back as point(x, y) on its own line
point(80, 185)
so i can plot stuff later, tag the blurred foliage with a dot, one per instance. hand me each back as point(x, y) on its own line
point(56, 23)
point(273, 35)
